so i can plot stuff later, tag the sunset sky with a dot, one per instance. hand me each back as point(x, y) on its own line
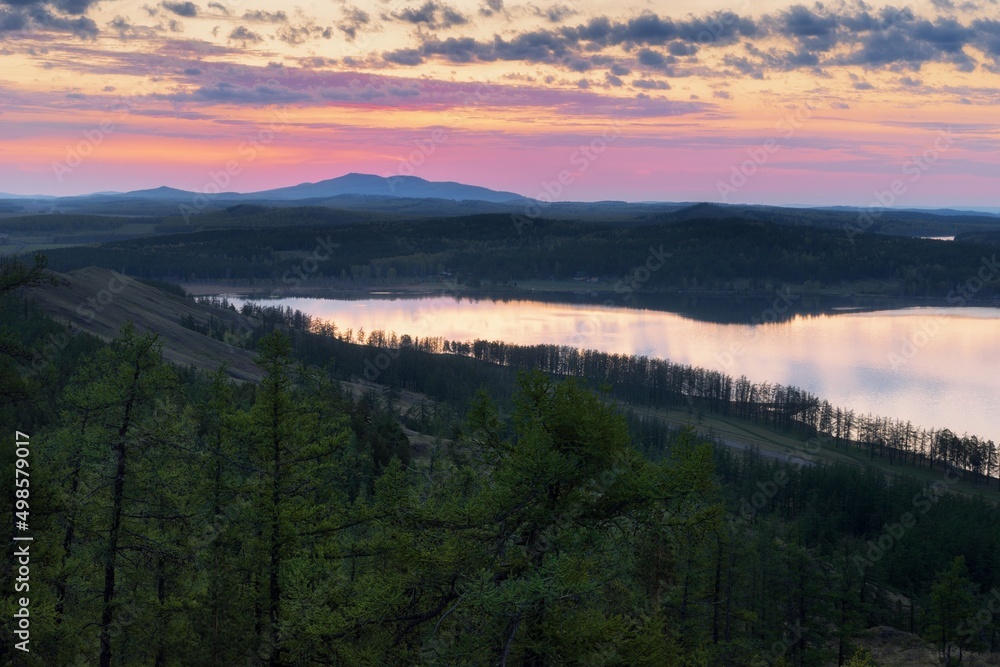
point(761, 102)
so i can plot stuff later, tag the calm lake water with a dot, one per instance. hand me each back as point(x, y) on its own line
point(937, 367)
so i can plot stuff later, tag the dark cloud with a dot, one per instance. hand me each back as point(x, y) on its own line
point(353, 20)
point(71, 7)
point(192, 71)
point(270, 92)
point(679, 48)
point(295, 35)
point(801, 22)
point(403, 57)
point(127, 30)
point(38, 17)
point(185, 9)
point(491, 7)
point(988, 36)
point(912, 45)
point(863, 85)
point(12, 21)
point(185, 48)
point(653, 30)
point(556, 13)
point(266, 17)
point(813, 31)
point(654, 59)
point(220, 7)
point(651, 84)
point(122, 26)
point(245, 36)
point(744, 66)
point(432, 14)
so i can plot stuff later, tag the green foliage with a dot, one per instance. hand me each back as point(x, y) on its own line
point(951, 600)
point(187, 519)
point(861, 658)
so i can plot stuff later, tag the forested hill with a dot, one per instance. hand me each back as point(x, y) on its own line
point(714, 254)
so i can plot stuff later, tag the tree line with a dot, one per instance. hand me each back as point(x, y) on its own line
point(721, 254)
point(644, 381)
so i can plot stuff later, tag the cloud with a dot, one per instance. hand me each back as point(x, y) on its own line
point(651, 84)
point(654, 59)
point(295, 35)
point(556, 13)
point(679, 48)
point(353, 20)
point(260, 86)
point(245, 36)
point(123, 27)
point(71, 7)
point(270, 92)
point(185, 9)
point(491, 7)
point(220, 7)
point(403, 57)
point(36, 16)
point(812, 38)
point(266, 17)
point(432, 14)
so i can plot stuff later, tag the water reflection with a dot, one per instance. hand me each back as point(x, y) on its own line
point(934, 366)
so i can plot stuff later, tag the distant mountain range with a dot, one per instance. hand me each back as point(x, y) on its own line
point(416, 197)
point(394, 186)
point(7, 195)
point(366, 185)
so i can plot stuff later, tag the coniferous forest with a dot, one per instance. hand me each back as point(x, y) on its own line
point(183, 518)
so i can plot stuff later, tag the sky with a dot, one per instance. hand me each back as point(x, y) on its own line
point(833, 103)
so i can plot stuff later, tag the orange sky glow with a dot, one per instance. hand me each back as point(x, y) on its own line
point(762, 102)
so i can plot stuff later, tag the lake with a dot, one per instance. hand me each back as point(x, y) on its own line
point(937, 367)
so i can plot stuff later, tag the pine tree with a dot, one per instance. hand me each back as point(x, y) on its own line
point(123, 422)
point(951, 602)
point(294, 449)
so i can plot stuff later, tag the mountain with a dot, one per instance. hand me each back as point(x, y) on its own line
point(395, 186)
point(162, 193)
point(7, 195)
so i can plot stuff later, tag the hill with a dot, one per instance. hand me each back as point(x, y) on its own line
point(100, 301)
point(394, 186)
